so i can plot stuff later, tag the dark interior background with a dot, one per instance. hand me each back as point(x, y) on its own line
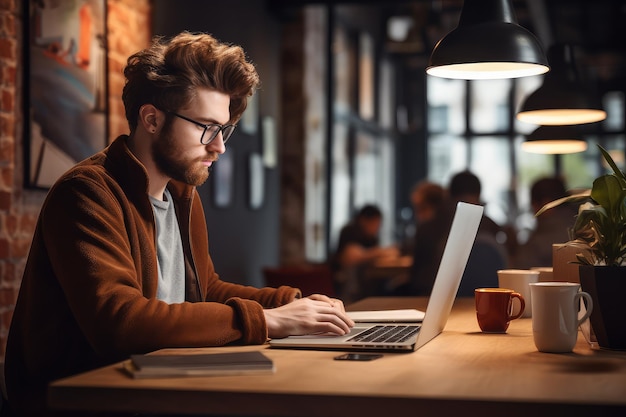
point(244, 240)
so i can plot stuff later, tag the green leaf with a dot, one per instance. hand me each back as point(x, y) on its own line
point(607, 191)
point(618, 173)
point(570, 198)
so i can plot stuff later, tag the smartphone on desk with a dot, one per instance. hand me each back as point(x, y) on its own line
point(358, 357)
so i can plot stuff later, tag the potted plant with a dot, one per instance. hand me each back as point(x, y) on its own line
point(600, 233)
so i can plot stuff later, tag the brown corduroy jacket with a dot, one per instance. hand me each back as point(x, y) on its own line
point(88, 294)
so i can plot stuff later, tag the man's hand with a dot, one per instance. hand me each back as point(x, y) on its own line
point(314, 314)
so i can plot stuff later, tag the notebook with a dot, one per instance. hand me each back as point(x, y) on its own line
point(210, 364)
point(399, 337)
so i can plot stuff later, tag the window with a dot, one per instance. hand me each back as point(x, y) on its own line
point(472, 125)
point(362, 163)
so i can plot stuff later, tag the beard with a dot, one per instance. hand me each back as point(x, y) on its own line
point(167, 157)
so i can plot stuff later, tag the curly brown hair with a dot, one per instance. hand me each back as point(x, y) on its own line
point(169, 72)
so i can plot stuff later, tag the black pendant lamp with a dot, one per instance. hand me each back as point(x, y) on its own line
point(487, 44)
point(562, 99)
point(555, 140)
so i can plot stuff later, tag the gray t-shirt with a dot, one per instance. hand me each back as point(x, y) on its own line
point(171, 286)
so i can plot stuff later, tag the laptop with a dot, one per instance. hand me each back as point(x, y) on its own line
point(407, 337)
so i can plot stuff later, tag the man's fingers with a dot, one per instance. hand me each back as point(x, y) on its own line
point(337, 313)
point(336, 321)
point(320, 297)
point(329, 326)
point(313, 314)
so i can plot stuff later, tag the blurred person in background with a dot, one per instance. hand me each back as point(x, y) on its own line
point(553, 226)
point(489, 252)
point(433, 216)
point(465, 186)
point(487, 255)
point(357, 248)
point(427, 199)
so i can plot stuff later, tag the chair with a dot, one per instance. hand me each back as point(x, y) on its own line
point(311, 278)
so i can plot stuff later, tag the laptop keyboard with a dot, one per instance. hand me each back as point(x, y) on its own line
point(386, 334)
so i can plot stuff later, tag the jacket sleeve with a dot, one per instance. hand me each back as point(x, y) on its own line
point(247, 301)
point(102, 254)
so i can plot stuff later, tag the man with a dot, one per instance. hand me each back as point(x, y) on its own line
point(553, 226)
point(119, 262)
point(433, 217)
point(427, 199)
point(488, 254)
point(357, 248)
point(465, 186)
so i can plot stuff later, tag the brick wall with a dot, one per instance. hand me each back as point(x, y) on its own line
point(15, 218)
point(129, 29)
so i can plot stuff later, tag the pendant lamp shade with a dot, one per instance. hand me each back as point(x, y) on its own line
point(487, 44)
point(562, 99)
point(555, 140)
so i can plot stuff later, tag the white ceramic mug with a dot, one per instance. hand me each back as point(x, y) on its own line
point(518, 280)
point(555, 315)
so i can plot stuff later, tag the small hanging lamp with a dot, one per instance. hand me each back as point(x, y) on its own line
point(555, 140)
point(562, 99)
point(487, 44)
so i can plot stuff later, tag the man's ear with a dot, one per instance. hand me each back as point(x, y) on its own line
point(150, 118)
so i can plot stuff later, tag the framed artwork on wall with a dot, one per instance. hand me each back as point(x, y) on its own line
point(249, 122)
point(269, 142)
point(256, 181)
point(65, 86)
point(366, 76)
point(223, 174)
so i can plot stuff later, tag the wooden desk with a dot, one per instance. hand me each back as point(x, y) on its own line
point(461, 371)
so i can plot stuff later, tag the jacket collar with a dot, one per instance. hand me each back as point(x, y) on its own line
point(130, 173)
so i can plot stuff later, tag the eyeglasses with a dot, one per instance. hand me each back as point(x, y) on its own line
point(212, 128)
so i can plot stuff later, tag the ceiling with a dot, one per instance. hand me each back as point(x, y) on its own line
point(596, 29)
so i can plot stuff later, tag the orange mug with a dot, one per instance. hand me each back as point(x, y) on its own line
point(494, 308)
